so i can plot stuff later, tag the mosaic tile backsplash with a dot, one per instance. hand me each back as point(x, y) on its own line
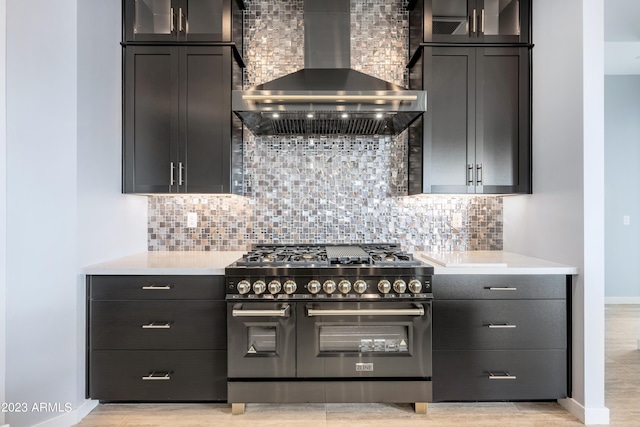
point(333, 190)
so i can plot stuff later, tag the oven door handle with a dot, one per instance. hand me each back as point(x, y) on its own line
point(417, 311)
point(283, 312)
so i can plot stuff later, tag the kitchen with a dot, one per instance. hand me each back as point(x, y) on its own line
point(96, 212)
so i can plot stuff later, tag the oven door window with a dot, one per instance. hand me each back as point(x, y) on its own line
point(364, 338)
point(262, 339)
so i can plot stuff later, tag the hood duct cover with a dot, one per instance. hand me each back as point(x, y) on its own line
point(327, 97)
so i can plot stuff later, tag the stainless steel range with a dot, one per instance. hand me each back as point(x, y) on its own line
point(329, 323)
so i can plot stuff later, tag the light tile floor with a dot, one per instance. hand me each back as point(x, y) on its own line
point(622, 397)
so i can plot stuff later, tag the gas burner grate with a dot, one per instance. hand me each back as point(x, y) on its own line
point(383, 254)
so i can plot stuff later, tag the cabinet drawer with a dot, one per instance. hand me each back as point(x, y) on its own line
point(164, 325)
point(498, 286)
point(465, 375)
point(192, 375)
point(499, 324)
point(156, 287)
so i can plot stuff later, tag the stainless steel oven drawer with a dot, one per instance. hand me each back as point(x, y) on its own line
point(499, 375)
point(164, 325)
point(158, 375)
point(499, 324)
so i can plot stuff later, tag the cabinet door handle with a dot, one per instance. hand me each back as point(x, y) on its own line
point(180, 169)
point(172, 17)
point(156, 325)
point(180, 20)
point(469, 174)
point(479, 174)
point(503, 376)
point(474, 20)
point(162, 376)
point(500, 326)
point(482, 21)
point(171, 168)
point(157, 287)
point(502, 289)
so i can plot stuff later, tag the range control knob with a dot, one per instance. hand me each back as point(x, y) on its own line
point(314, 286)
point(360, 286)
point(384, 286)
point(290, 287)
point(415, 286)
point(259, 287)
point(329, 286)
point(243, 287)
point(274, 287)
point(344, 286)
point(399, 286)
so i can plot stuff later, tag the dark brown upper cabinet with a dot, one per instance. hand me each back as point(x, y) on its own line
point(180, 135)
point(475, 137)
point(469, 21)
point(182, 21)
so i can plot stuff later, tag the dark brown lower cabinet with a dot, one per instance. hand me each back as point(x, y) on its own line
point(488, 375)
point(156, 338)
point(500, 337)
point(158, 375)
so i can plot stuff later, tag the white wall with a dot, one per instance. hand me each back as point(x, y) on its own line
point(63, 203)
point(622, 180)
point(41, 206)
point(3, 203)
point(564, 219)
point(110, 224)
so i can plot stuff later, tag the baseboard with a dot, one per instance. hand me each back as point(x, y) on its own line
point(70, 418)
point(622, 300)
point(588, 416)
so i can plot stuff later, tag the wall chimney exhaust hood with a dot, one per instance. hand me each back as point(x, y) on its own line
point(327, 97)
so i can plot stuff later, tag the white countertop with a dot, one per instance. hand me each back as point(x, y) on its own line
point(491, 262)
point(214, 262)
point(170, 262)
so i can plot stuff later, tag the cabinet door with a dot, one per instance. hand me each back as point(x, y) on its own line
point(502, 162)
point(476, 134)
point(149, 20)
point(204, 164)
point(204, 20)
point(150, 119)
point(472, 21)
point(449, 123)
point(177, 20)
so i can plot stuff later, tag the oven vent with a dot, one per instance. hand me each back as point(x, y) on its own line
point(329, 126)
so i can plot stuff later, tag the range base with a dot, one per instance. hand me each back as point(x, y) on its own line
point(241, 392)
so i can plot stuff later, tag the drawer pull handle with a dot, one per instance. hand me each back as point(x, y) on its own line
point(502, 289)
point(502, 326)
point(503, 376)
point(155, 325)
point(157, 288)
point(162, 376)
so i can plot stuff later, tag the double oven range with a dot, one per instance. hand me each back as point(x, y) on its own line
point(329, 323)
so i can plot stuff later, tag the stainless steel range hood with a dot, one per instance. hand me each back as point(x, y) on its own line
point(327, 97)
